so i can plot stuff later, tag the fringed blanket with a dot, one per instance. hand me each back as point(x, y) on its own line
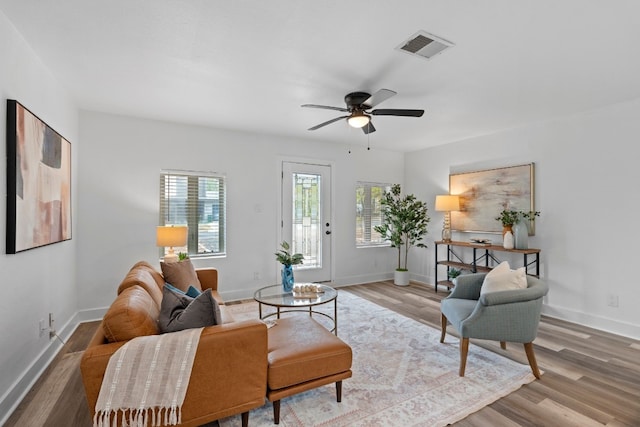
point(146, 380)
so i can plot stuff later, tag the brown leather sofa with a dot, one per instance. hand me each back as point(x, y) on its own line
point(229, 374)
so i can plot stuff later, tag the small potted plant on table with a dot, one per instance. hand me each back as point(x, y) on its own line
point(288, 260)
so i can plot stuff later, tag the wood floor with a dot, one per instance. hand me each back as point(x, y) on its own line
point(591, 378)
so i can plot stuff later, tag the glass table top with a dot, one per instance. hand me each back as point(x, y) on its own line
point(276, 296)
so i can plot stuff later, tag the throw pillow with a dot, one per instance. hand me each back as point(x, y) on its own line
point(191, 292)
point(181, 274)
point(502, 278)
point(179, 311)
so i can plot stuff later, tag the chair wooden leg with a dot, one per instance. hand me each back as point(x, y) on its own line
point(245, 419)
point(443, 321)
point(276, 412)
point(339, 391)
point(528, 348)
point(503, 345)
point(464, 349)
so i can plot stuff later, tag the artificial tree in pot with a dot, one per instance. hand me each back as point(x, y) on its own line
point(404, 225)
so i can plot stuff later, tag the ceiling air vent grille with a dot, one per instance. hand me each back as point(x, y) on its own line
point(424, 45)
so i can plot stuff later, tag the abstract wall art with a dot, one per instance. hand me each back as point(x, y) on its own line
point(38, 182)
point(484, 194)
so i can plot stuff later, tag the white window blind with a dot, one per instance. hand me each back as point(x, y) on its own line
point(369, 214)
point(197, 200)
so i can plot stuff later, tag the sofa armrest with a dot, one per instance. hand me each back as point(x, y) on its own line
point(208, 278)
point(229, 374)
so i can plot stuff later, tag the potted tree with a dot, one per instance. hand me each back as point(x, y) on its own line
point(404, 225)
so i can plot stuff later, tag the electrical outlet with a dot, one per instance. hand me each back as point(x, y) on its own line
point(256, 276)
point(43, 327)
point(612, 300)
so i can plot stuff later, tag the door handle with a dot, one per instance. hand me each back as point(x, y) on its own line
point(327, 232)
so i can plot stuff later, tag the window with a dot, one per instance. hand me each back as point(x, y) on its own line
point(369, 214)
point(197, 200)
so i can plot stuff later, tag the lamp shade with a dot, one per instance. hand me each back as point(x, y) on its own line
point(169, 236)
point(447, 203)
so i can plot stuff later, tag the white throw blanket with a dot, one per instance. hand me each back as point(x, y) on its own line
point(146, 380)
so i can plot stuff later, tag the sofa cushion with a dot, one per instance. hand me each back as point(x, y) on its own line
point(157, 276)
point(181, 274)
point(144, 278)
point(502, 278)
point(301, 350)
point(133, 313)
point(179, 311)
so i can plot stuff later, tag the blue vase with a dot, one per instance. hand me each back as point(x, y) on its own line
point(287, 278)
point(521, 235)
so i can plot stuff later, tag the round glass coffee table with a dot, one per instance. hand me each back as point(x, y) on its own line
point(287, 302)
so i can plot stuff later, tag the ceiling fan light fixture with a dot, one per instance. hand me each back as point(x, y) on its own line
point(358, 120)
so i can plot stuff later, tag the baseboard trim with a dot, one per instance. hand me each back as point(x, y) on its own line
point(600, 323)
point(12, 398)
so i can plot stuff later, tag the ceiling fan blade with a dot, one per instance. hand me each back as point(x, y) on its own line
point(368, 128)
point(328, 122)
point(397, 112)
point(325, 107)
point(378, 97)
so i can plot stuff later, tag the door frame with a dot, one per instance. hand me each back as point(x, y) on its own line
point(279, 226)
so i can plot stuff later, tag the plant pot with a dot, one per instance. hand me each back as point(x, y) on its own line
point(287, 278)
point(401, 278)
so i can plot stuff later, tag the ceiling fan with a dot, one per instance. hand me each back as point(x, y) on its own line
point(358, 106)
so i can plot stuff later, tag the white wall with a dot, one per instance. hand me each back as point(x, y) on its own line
point(41, 280)
point(119, 172)
point(586, 174)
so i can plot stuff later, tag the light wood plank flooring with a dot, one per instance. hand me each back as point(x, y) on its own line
point(591, 378)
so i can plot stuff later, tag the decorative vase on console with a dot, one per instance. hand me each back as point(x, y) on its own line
point(521, 234)
point(507, 241)
point(288, 261)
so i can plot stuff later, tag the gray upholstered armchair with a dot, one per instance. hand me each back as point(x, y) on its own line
point(511, 315)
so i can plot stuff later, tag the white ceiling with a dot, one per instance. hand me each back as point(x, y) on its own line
point(250, 64)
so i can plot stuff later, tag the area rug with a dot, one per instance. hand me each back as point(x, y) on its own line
point(402, 375)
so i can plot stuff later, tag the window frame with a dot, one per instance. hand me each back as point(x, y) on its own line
point(194, 203)
point(366, 242)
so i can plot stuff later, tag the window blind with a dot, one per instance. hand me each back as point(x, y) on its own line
point(197, 200)
point(369, 213)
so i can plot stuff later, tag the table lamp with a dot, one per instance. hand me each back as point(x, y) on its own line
point(447, 203)
point(171, 236)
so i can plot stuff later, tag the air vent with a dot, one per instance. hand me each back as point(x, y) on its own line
point(424, 45)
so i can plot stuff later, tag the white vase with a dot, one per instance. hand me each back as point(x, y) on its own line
point(507, 240)
point(401, 278)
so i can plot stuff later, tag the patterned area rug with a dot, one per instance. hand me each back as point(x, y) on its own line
point(402, 375)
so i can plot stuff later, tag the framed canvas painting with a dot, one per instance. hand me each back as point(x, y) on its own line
point(484, 194)
point(38, 182)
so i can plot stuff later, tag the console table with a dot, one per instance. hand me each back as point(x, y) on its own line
point(480, 261)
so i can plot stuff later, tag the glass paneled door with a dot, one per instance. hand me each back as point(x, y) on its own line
point(306, 218)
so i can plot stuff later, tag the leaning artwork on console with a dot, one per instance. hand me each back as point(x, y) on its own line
point(38, 182)
point(484, 194)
